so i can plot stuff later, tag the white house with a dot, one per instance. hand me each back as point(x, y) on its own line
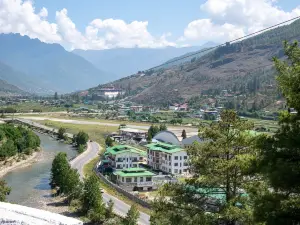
point(167, 158)
point(124, 156)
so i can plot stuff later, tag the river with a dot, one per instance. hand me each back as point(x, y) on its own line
point(30, 185)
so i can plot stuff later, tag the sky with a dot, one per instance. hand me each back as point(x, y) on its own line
point(107, 24)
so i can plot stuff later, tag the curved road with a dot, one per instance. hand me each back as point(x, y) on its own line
point(120, 207)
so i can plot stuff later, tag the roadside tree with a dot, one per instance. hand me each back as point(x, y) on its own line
point(4, 190)
point(132, 216)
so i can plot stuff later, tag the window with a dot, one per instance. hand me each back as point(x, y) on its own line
point(169, 170)
point(148, 178)
point(135, 159)
point(176, 171)
point(169, 163)
point(176, 157)
point(128, 180)
point(134, 165)
point(169, 158)
point(175, 164)
point(122, 179)
point(135, 179)
point(184, 170)
point(180, 158)
point(185, 164)
point(141, 158)
point(119, 166)
point(141, 179)
point(185, 157)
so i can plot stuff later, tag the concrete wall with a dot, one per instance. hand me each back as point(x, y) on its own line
point(21, 215)
point(124, 192)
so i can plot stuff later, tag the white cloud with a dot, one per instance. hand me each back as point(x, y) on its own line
point(232, 18)
point(205, 29)
point(18, 16)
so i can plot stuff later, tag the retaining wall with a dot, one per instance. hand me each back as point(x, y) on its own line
point(122, 191)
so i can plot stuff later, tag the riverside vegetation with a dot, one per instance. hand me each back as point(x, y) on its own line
point(15, 144)
point(239, 178)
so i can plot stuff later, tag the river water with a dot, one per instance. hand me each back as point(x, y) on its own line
point(30, 185)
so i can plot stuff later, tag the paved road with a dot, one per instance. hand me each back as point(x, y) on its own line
point(120, 207)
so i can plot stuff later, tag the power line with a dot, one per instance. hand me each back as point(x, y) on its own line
point(220, 45)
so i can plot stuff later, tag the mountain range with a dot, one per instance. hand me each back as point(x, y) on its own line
point(244, 67)
point(41, 68)
point(127, 61)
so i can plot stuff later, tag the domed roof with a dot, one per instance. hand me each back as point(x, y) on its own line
point(167, 137)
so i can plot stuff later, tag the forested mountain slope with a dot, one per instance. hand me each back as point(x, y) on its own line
point(244, 67)
point(126, 61)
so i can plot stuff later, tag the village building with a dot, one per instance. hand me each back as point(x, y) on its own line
point(167, 158)
point(134, 179)
point(124, 156)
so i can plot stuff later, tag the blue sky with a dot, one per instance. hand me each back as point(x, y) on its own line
point(141, 23)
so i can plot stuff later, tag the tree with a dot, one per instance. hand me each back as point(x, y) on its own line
point(72, 187)
point(162, 127)
point(278, 201)
point(59, 170)
point(152, 131)
point(132, 216)
point(4, 190)
point(81, 138)
point(110, 209)
point(183, 135)
point(55, 96)
point(220, 166)
point(92, 202)
point(109, 142)
point(61, 132)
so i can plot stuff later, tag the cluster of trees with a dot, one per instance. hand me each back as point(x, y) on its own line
point(153, 130)
point(80, 140)
point(17, 140)
point(240, 178)
point(4, 190)
point(85, 195)
point(61, 134)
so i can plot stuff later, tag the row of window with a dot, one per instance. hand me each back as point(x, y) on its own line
point(135, 179)
point(120, 166)
point(128, 159)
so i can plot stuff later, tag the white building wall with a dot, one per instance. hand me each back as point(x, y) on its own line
point(174, 163)
point(127, 160)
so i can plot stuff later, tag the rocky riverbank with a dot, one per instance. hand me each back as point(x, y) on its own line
point(19, 161)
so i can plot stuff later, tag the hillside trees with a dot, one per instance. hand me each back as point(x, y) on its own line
point(17, 140)
point(221, 168)
point(132, 216)
point(278, 200)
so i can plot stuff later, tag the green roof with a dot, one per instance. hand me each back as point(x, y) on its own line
point(164, 147)
point(118, 149)
point(134, 172)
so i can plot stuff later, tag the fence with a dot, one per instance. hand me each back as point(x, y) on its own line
point(122, 191)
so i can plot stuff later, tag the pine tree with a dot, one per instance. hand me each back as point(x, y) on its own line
point(132, 216)
point(279, 203)
point(221, 167)
point(109, 142)
point(60, 167)
point(110, 210)
point(92, 202)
